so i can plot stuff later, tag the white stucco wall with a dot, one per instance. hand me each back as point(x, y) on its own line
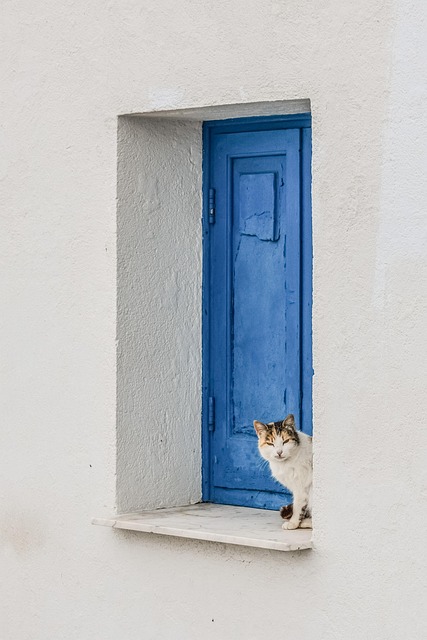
point(159, 308)
point(68, 70)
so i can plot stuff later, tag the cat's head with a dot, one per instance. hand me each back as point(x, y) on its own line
point(277, 440)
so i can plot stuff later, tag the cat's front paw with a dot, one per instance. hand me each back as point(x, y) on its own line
point(290, 525)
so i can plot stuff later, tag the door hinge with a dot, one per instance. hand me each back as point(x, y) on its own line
point(211, 414)
point(211, 206)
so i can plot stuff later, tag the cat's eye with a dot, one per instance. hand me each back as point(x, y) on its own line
point(271, 444)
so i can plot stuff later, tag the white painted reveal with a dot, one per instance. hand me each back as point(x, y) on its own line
point(159, 307)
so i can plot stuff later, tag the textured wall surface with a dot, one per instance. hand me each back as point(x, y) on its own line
point(67, 71)
point(159, 307)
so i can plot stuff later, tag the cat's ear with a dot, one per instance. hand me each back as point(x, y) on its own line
point(289, 422)
point(259, 427)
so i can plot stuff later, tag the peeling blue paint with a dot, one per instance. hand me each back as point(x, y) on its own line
point(256, 299)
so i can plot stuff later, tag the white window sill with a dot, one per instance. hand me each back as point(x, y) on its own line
point(216, 523)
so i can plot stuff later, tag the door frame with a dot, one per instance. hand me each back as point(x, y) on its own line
point(259, 123)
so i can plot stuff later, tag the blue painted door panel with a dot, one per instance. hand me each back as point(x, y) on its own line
point(254, 305)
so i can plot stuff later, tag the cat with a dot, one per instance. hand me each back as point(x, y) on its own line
point(290, 455)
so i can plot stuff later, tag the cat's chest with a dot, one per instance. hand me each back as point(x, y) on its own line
point(286, 473)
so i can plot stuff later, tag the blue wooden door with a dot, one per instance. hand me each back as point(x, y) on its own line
point(255, 300)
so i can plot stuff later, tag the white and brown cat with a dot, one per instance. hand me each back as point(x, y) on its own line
point(290, 455)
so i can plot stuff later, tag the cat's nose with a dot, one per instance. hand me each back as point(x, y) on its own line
point(279, 453)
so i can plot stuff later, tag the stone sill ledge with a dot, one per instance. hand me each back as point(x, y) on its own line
point(216, 523)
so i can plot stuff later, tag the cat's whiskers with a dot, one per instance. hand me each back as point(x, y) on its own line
point(262, 463)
